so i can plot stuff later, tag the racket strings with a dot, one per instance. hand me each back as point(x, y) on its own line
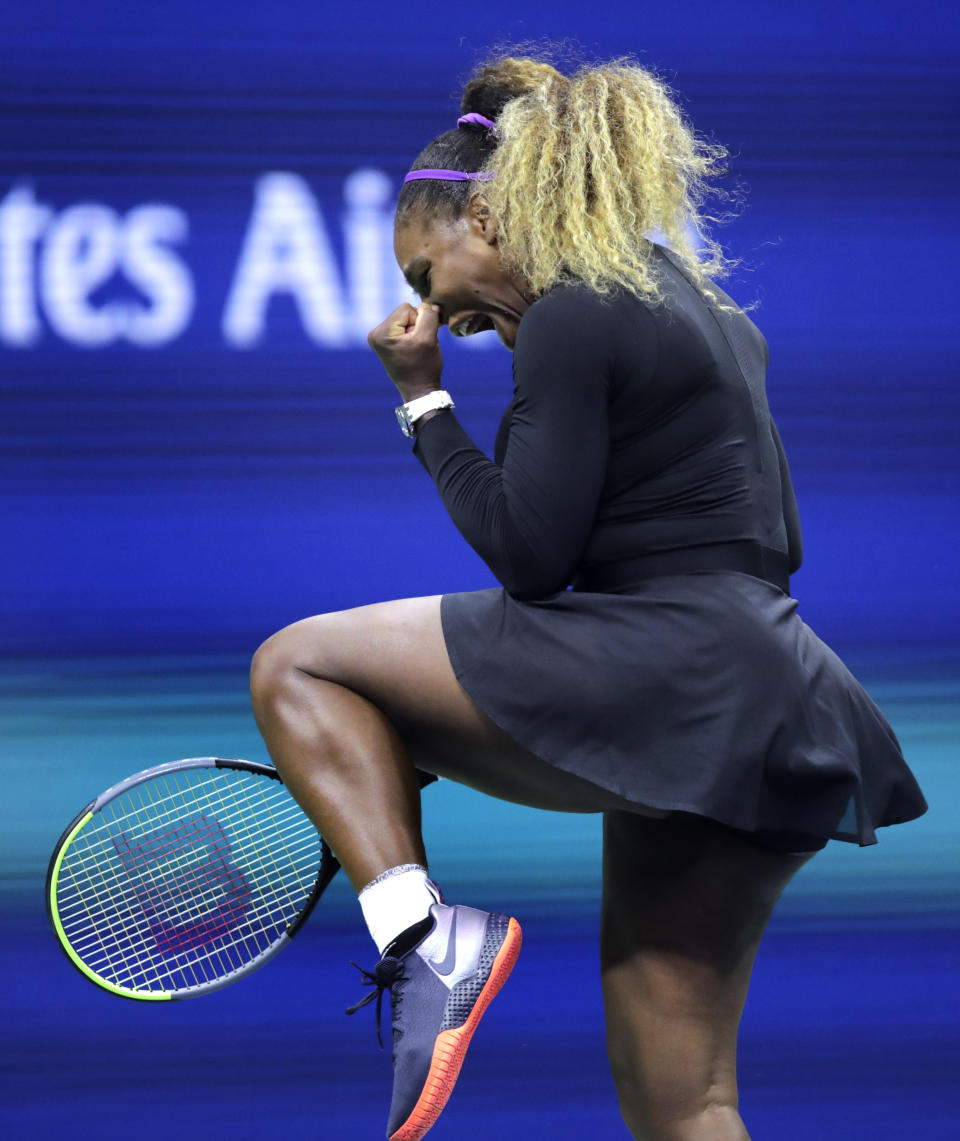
point(127, 909)
point(92, 860)
point(130, 915)
point(126, 906)
point(127, 955)
point(94, 854)
point(216, 953)
point(269, 886)
point(252, 848)
point(173, 799)
point(177, 879)
point(104, 924)
point(296, 841)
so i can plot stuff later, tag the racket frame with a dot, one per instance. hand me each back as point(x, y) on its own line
point(327, 870)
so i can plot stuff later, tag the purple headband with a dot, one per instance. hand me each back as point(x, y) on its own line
point(476, 120)
point(473, 119)
point(450, 175)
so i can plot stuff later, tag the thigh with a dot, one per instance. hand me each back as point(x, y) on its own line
point(688, 887)
point(394, 654)
point(685, 904)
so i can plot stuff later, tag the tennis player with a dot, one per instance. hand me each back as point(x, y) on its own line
point(674, 688)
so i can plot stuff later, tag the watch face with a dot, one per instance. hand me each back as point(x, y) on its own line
point(404, 420)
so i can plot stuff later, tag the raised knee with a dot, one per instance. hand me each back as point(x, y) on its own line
point(273, 667)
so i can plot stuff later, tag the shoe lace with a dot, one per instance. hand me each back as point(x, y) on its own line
point(386, 975)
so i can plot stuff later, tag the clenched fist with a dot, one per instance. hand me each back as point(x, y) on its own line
point(406, 343)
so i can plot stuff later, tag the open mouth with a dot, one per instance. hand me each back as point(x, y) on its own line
point(478, 323)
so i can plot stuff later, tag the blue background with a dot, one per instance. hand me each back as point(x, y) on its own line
point(177, 483)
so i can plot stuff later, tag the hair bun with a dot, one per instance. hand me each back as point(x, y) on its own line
point(493, 86)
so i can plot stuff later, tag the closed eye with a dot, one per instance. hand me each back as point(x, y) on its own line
point(422, 289)
point(417, 274)
point(424, 294)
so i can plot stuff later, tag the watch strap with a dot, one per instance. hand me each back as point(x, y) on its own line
point(408, 414)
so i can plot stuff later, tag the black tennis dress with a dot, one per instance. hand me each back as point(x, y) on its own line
point(640, 516)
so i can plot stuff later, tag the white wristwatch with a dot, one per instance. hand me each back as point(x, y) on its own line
point(408, 414)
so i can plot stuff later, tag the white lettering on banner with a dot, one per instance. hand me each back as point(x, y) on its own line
point(22, 221)
point(82, 248)
point(158, 273)
point(286, 250)
point(80, 252)
point(376, 284)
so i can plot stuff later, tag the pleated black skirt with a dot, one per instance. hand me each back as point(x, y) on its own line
point(703, 693)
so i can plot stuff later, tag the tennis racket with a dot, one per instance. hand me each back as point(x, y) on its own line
point(185, 877)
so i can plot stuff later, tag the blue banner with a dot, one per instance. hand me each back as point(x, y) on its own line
point(195, 239)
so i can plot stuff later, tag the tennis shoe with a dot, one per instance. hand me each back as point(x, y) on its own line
point(442, 974)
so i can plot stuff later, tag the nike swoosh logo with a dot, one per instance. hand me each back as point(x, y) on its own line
point(446, 965)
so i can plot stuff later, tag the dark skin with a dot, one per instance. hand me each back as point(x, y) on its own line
point(360, 788)
point(350, 703)
point(454, 265)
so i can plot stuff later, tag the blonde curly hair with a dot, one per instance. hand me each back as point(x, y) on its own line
point(586, 168)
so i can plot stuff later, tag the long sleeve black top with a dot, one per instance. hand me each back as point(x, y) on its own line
point(634, 427)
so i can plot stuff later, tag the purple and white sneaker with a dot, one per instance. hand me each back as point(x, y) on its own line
point(442, 974)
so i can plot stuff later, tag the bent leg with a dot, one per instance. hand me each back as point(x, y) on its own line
point(348, 703)
point(685, 904)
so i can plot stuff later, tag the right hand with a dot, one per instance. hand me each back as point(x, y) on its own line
point(406, 343)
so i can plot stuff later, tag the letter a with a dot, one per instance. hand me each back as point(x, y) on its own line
point(286, 250)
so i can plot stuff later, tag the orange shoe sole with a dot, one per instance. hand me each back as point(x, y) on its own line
point(450, 1047)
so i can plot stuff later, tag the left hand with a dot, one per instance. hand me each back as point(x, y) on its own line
point(406, 343)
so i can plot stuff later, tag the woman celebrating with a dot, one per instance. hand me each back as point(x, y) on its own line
point(674, 688)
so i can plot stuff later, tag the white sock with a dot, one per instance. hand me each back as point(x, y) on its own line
point(395, 900)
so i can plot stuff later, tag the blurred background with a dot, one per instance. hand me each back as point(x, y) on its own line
point(197, 448)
